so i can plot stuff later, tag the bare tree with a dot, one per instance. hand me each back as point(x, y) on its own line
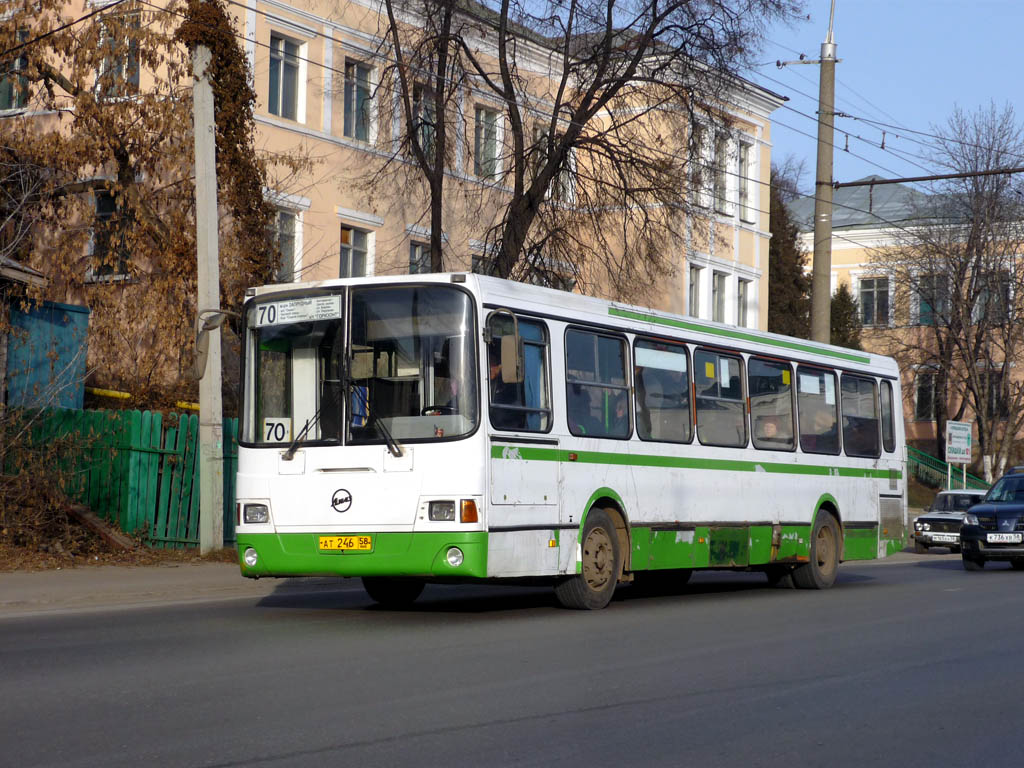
point(960, 283)
point(606, 106)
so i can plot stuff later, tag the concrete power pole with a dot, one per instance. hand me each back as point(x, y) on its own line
point(821, 284)
point(211, 428)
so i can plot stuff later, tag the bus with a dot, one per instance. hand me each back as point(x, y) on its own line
point(453, 428)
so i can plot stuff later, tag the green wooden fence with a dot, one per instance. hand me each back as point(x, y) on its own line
point(139, 469)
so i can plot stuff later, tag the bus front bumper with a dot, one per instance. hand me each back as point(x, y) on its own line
point(390, 554)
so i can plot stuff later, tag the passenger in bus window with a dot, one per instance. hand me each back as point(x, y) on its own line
point(502, 393)
point(619, 423)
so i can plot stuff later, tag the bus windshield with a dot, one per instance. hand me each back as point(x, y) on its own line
point(413, 363)
point(405, 368)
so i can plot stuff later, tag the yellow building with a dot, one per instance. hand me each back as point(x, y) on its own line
point(317, 69)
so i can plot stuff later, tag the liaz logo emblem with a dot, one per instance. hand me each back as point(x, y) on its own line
point(341, 500)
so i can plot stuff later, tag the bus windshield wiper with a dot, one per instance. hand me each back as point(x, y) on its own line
point(393, 445)
point(289, 454)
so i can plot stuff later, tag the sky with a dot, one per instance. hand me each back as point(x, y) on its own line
point(905, 63)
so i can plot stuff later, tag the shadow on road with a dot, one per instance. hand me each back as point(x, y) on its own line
point(348, 595)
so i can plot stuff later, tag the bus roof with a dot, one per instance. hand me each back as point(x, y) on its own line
point(575, 307)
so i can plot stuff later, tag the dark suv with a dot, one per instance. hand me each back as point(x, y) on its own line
point(994, 528)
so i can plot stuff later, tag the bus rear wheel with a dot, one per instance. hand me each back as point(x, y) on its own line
point(392, 593)
point(593, 587)
point(820, 572)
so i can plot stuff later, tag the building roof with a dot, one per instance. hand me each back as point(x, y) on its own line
point(866, 207)
point(19, 273)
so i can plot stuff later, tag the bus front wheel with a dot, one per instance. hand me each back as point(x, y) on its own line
point(820, 571)
point(392, 593)
point(593, 587)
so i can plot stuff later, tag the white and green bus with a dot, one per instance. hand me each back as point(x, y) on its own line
point(454, 428)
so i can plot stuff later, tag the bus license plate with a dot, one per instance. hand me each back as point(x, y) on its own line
point(342, 543)
point(945, 537)
point(1003, 538)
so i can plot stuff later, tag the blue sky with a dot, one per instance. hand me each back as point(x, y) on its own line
point(905, 63)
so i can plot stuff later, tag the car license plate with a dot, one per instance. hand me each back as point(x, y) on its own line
point(342, 543)
point(1003, 538)
point(946, 537)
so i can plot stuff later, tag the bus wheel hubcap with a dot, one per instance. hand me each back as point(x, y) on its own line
point(826, 550)
point(598, 558)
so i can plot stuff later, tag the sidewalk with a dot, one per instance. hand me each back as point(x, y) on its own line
point(89, 588)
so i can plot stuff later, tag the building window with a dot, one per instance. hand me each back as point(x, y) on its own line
point(424, 111)
point(283, 97)
point(119, 68)
point(357, 100)
point(993, 298)
point(110, 250)
point(933, 299)
point(419, 258)
point(721, 175)
point(718, 296)
point(874, 301)
point(485, 143)
point(354, 252)
point(746, 182)
point(924, 400)
point(996, 404)
point(284, 239)
point(13, 85)
point(694, 298)
point(563, 185)
point(742, 298)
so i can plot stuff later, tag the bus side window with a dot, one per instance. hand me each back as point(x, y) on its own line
point(524, 406)
point(860, 417)
point(721, 409)
point(817, 408)
point(662, 380)
point(888, 425)
point(597, 389)
point(769, 383)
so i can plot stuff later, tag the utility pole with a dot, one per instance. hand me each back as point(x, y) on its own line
point(821, 281)
point(211, 427)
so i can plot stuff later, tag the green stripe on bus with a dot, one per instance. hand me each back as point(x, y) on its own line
point(688, 325)
point(531, 453)
point(860, 544)
point(393, 554)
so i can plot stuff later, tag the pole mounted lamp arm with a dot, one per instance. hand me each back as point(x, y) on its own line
point(207, 320)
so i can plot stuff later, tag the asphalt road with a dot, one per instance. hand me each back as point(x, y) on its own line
point(909, 662)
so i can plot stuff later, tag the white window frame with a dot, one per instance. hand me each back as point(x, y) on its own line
point(368, 258)
point(745, 194)
point(300, 75)
point(371, 106)
point(879, 322)
point(694, 290)
point(498, 138)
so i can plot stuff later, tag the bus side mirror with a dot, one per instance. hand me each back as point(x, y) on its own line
point(511, 360)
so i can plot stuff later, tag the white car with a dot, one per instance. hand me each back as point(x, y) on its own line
point(939, 526)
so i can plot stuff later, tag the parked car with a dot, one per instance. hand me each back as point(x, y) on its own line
point(994, 529)
point(940, 525)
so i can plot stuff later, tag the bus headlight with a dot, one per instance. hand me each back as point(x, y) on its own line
point(250, 557)
point(455, 557)
point(442, 510)
point(256, 513)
